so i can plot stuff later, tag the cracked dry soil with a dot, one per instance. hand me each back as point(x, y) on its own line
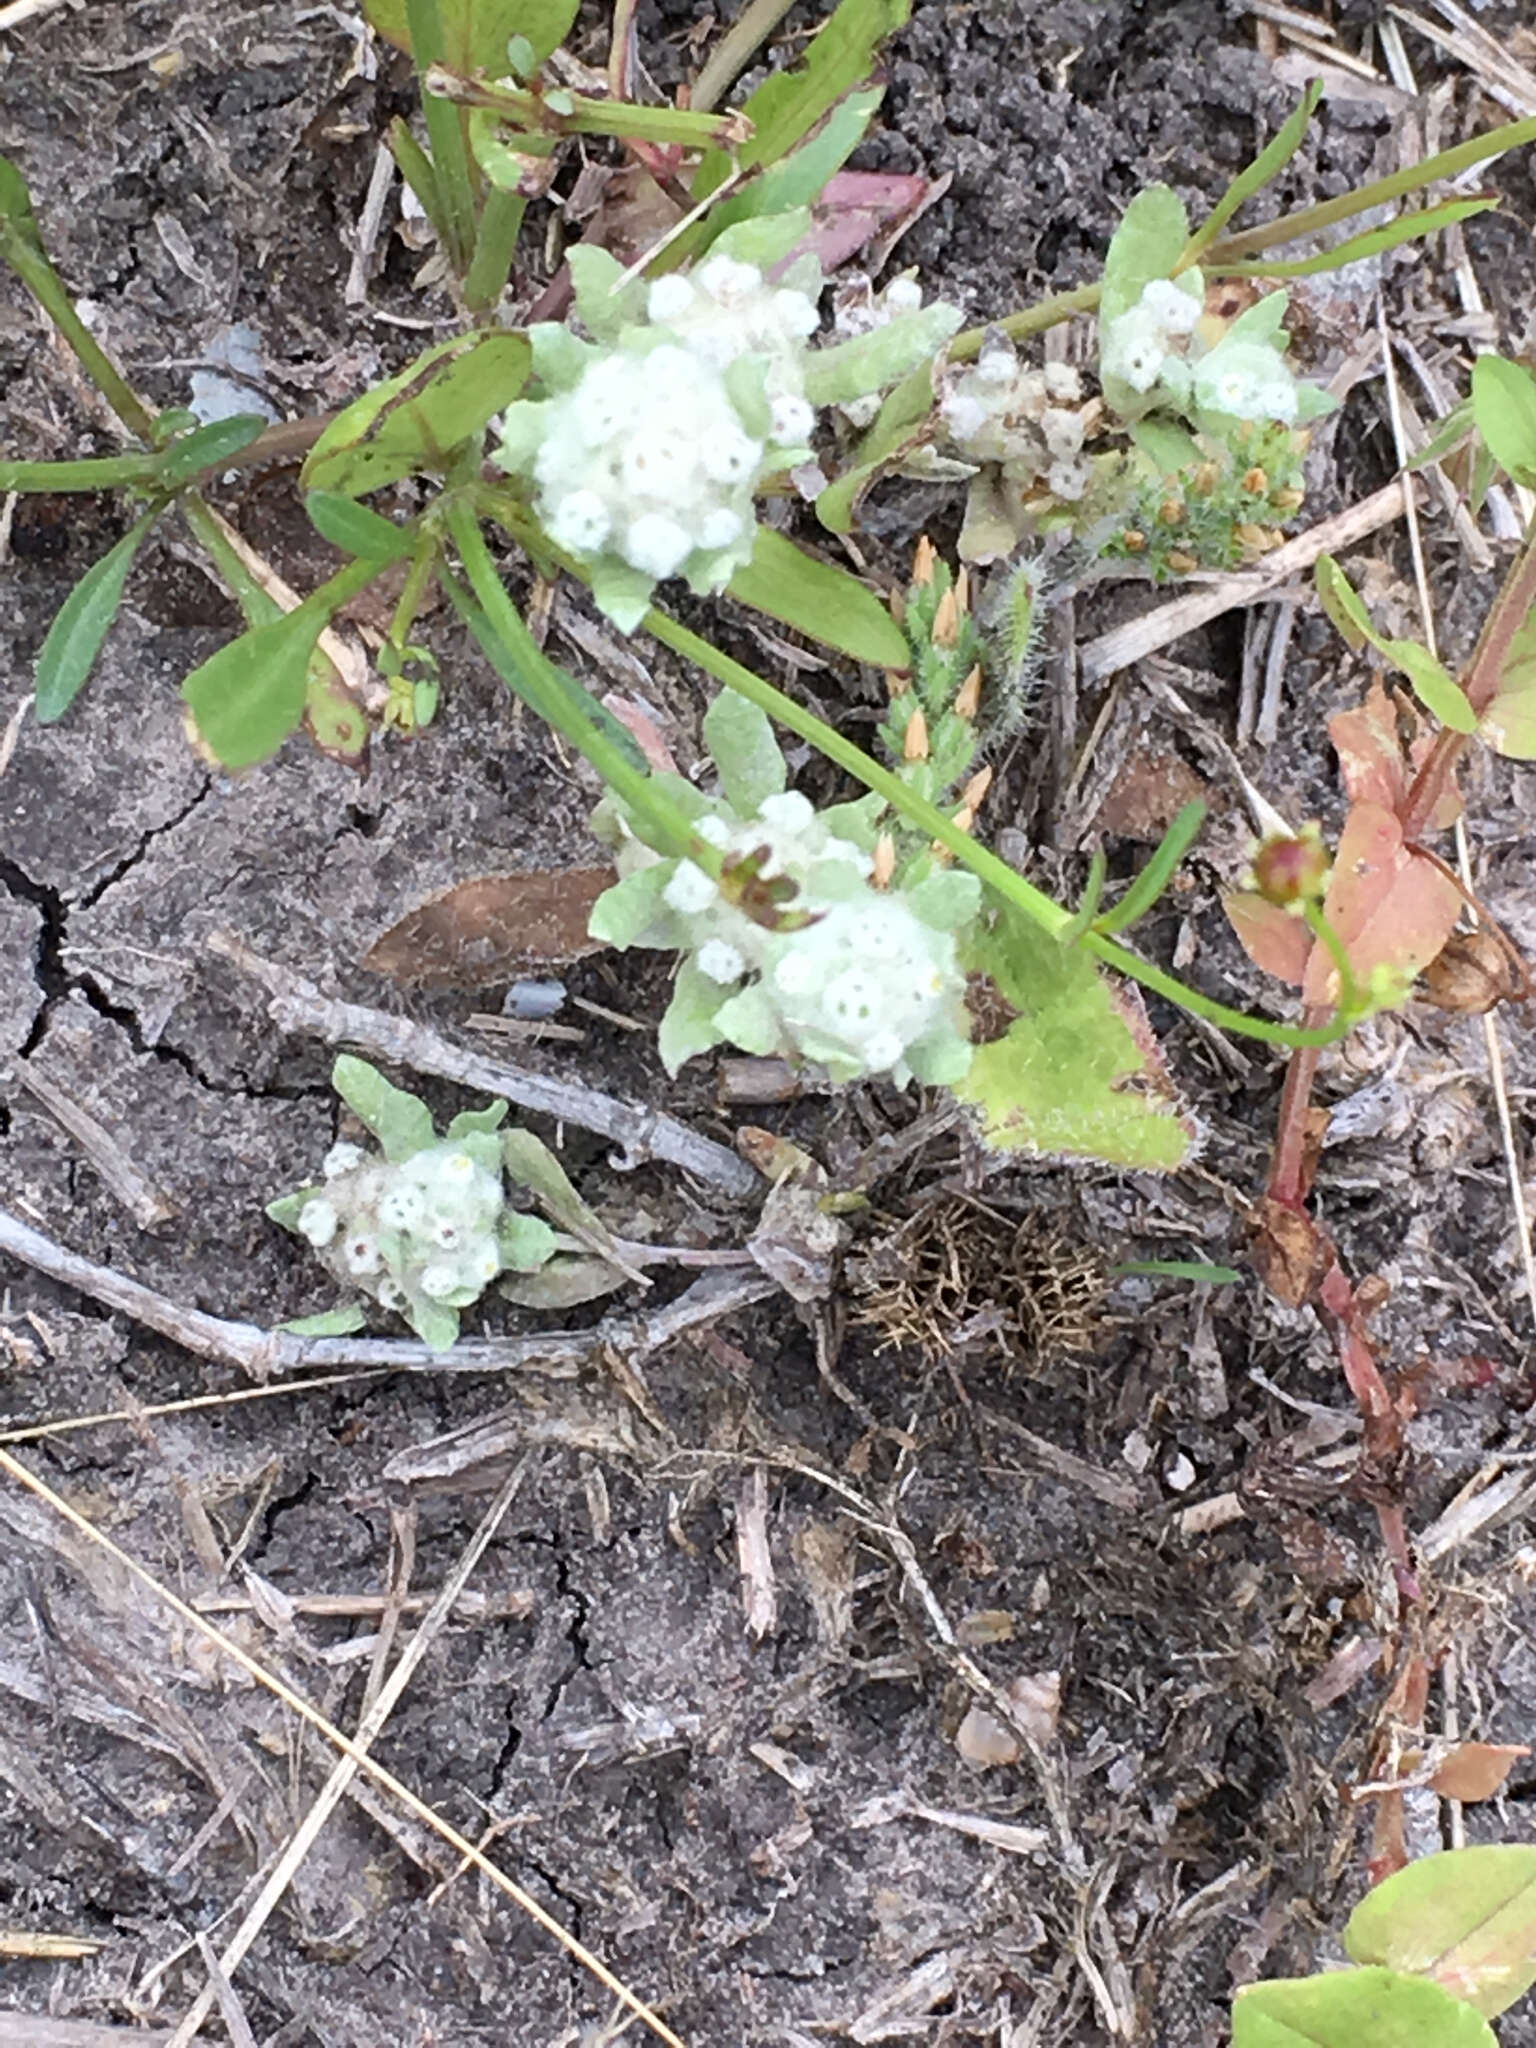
point(718, 1818)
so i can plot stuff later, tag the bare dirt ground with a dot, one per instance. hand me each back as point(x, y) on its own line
point(770, 1833)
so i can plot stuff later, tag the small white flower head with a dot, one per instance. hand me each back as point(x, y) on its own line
point(798, 314)
point(456, 1170)
point(720, 960)
point(793, 419)
point(788, 812)
point(605, 399)
point(727, 281)
point(318, 1222)
point(342, 1158)
point(439, 1280)
point(1063, 431)
point(903, 295)
point(447, 1232)
point(882, 1052)
point(668, 299)
point(997, 365)
point(1248, 380)
point(362, 1253)
point(658, 463)
point(657, 545)
point(719, 529)
point(964, 414)
point(392, 1295)
point(1062, 383)
point(481, 1263)
point(579, 521)
point(402, 1207)
point(689, 891)
point(1068, 478)
point(854, 1003)
point(731, 456)
point(798, 972)
point(714, 831)
point(1175, 310)
point(1134, 350)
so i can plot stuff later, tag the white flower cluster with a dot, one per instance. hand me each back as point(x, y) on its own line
point(1028, 421)
point(855, 978)
point(653, 454)
point(1153, 349)
point(424, 1229)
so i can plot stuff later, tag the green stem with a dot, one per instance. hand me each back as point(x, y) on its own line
point(1349, 1004)
point(501, 222)
point(258, 607)
point(445, 128)
point(735, 51)
point(417, 579)
point(47, 287)
point(553, 112)
point(529, 671)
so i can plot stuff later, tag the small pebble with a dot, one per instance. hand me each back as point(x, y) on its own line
point(531, 1002)
point(1180, 1475)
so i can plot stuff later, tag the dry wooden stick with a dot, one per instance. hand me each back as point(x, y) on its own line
point(298, 1006)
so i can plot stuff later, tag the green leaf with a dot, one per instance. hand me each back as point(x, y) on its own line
point(742, 746)
point(1177, 1269)
point(1068, 1080)
point(475, 33)
point(1270, 161)
point(16, 205)
point(820, 599)
point(605, 304)
point(1147, 244)
point(869, 362)
point(1170, 447)
point(331, 1322)
point(525, 1242)
point(1504, 408)
point(624, 914)
point(356, 529)
point(688, 1027)
point(208, 447)
point(1354, 2009)
point(401, 1122)
point(416, 420)
point(1434, 685)
point(434, 1323)
point(533, 1166)
point(788, 105)
point(286, 1210)
point(250, 696)
point(80, 625)
point(1261, 322)
point(1407, 227)
point(800, 179)
point(480, 1122)
point(1465, 1917)
point(1508, 723)
point(900, 426)
point(1158, 872)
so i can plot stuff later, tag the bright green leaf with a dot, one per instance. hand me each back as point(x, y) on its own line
point(820, 599)
point(750, 1021)
point(251, 695)
point(1147, 244)
point(624, 914)
point(533, 1166)
point(401, 1122)
point(435, 1324)
point(1437, 689)
point(470, 1123)
point(1504, 407)
point(800, 179)
point(1068, 1080)
point(869, 362)
point(1177, 1269)
point(68, 653)
point(331, 1322)
point(475, 33)
point(1268, 164)
point(1509, 722)
point(208, 447)
point(605, 303)
point(1354, 2009)
point(1154, 878)
point(900, 426)
point(417, 419)
point(688, 1027)
point(788, 105)
point(1171, 447)
point(356, 529)
point(526, 1242)
point(742, 746)
point(1465, 1917)
point(1407, 227)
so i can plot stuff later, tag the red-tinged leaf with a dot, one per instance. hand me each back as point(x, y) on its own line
point(1391, 908)
point(1270, 935)
point(483, 931)
point(1381, 747)
point(856, 206)
point(1476, 1770)
point(640, 722)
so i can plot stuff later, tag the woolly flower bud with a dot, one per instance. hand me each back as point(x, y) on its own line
point(341, 1159)
point(720, 960)
point(362, 1253)
point(1134, 350)
point(481, 1263)
point(1175, 310)
point(714, 831)
point(727, 281)
point(882, 1051)
point(997, 365)
point(579, 521)
point(318, 1221)
point(656, 544)
point(793, 419)
point(964, 415)
point(401, 1208)
point(667, 298)
point(689, 891)
point(797, 313)
point(1062, 382)
point(718, 529)
point(1248, 380)
point(787, 812)
point(730, 456)
point(658, 462)
point(903, 295)
point(439, 1281)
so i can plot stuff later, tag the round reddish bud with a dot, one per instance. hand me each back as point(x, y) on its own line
point(1291, 870)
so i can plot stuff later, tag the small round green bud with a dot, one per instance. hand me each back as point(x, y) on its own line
point(1292, 869)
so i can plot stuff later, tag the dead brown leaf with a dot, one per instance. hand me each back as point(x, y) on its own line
point(479, 932)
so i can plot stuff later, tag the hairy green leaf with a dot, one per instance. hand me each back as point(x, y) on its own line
point(820, 599)
point(526, 1242)
point(401, 1122)
point(417, 420)
point(436, 1325)
point(330, 1322)
point(871, 361)
point(1070, 1079)
point(1466, 1917)
point(1147, 244)
point(533, 1166)
point(742, 746)
point(1355, 2009)
point(68, 653)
